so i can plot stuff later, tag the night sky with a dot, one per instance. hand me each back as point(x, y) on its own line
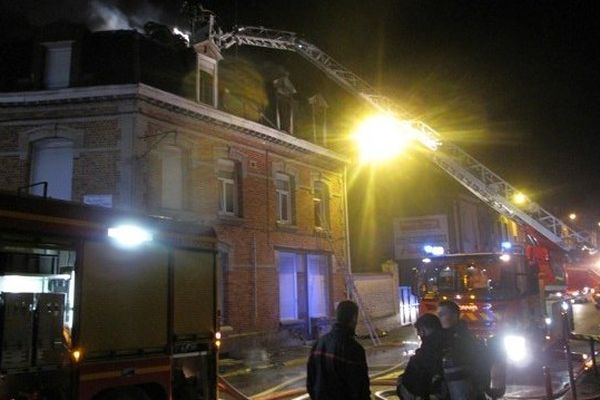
point(515, 83)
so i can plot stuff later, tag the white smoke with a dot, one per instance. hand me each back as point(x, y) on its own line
point(184, 34)
point(104, 15)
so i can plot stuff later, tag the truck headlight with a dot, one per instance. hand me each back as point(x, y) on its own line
point(516, 348)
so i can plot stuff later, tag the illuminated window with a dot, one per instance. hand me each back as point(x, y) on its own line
point(303, 286)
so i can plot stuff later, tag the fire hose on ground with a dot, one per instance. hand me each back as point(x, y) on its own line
point(276, 392)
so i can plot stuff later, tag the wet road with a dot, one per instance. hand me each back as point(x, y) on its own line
point(287, 372)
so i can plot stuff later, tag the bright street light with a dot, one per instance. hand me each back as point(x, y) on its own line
point(129, 235)
point(572, 216)
point(519, 198)
point(383, 137)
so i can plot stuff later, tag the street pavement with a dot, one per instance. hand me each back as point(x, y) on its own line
point(284, 370)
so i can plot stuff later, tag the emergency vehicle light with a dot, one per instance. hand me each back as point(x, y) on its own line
point(129, 235)
point(516, 348)
point(434, 250)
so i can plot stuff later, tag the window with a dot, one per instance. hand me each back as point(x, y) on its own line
point(288, 286)
point(284, 188)
point(303, 286)
point(172, 178)
point(318, 293)
point(52, 162)
point(206, 88)
point(321, 205)
point(57, 70)
point(228, 187)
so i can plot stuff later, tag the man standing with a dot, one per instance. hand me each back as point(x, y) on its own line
point(465, 359)
point(422, 377)
point(337, 366)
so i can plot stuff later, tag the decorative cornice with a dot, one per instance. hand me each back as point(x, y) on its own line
point(167, 101)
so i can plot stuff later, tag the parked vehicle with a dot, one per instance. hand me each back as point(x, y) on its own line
point(92, 309)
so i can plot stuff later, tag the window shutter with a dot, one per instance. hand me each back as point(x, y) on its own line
point(57, 71)
point(52, 162)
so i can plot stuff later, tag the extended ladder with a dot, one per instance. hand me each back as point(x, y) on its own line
point(350, 285)
point(473, 175)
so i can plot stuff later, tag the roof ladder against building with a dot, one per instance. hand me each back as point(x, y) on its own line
point(350, 286)
point(469, 172)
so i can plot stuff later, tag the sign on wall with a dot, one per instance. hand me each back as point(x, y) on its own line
point(102, 200)
point(412, 234)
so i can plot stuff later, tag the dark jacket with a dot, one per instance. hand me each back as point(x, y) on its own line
point(424, 369)
point(337, 367)
point(465, 358)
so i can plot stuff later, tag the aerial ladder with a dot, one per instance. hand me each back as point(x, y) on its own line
point(465, 169)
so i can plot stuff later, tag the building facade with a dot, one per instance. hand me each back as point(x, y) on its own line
point(276, 202)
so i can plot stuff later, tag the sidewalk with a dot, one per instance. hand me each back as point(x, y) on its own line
point(265, 369)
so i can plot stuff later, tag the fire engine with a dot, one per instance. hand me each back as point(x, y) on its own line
point(99, 304)
point(491, 289)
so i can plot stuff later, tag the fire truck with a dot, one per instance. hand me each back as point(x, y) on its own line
point(491, 289)
point(100, 304)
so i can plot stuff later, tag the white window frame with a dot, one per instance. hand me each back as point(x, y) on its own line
point(230, 167)
point(284, 197)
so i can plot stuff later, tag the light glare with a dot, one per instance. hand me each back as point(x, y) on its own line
point(129, 235)
point(519, 198)
point(505, 257)
point(383, 137)
point(516, 348)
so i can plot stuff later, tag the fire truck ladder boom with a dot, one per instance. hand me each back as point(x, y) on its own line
point(473, 175)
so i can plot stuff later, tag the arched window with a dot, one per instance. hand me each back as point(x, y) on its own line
point(172, 178)
point(52, 162)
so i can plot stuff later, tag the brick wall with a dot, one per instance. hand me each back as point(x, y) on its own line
point(252, 280)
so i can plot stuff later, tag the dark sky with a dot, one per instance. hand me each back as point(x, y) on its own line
point(516, 83)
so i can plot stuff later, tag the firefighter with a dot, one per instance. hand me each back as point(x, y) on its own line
point(422, 377)
point(465, 360)
point(337, 365)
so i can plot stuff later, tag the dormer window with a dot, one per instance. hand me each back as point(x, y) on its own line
point(57, 69)
point(207, 72)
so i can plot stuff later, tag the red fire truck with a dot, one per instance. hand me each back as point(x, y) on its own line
point(491, 289)
point(99, 304)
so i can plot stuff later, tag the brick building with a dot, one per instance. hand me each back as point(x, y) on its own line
point(119, 120)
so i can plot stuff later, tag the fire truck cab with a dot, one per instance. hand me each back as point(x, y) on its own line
point(491, 289)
